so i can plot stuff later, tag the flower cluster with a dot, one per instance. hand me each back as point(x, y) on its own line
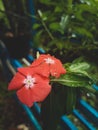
point(32, 83)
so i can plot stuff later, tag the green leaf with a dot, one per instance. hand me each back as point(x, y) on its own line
point(80, 73)
point(84, 7)
point(64, 22)
point(80, 69)
point(3, 15)
point(69, 5)
point(45, 1)
point(83, 31)
point(36, 39)
point(2, 6)
point(54, 26)
point(36, 26)
point(72, 80)
point(84, 68)
point(58, 9)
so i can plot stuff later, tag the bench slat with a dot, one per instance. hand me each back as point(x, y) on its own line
point(83, 120)
point(89, 111)
point(67, 123)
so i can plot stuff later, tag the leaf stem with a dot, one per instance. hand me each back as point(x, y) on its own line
point(44, 25)
point(47, 30)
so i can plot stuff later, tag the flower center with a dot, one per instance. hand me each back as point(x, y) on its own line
point(49, 61)
point(29, 82)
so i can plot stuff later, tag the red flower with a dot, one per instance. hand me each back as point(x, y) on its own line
point(47, 65)
point(30, 86)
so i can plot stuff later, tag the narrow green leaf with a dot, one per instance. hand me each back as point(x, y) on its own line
point(72, 80)
point(81, 67)
point(83, 31)
point(64, 22)
point(54, 26)
point(58, 9)
point(36, 26)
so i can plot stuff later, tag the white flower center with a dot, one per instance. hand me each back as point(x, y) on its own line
point(49, 61)
point(29, 82)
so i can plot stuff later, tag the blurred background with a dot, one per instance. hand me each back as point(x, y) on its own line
point(67, 29)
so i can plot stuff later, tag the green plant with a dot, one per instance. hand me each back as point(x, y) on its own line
point(68, 30)
point(58, 87)
point(68, 27)
point(80, 77)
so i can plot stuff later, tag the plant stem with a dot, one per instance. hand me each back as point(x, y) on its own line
point(47, 30)
point(44, 25)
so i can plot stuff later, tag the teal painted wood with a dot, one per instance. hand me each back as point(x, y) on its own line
point(16, 63)
point(30, 58)
point(31, 10)
point(67, 123)
point(30, 114)
point(95, 87)
point(83, 120)
point(32, 118)
point(4, 57)
point(90, 112)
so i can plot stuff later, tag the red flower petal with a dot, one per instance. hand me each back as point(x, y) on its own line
point(38, 92)
point(41, 88)
point(24, 96)
point(47, 65)
point(26, 71)
point(40, 60)
point(16, 82)
point(42, 70)
point(57, 69)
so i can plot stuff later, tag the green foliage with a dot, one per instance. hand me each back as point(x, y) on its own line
point(80, 77)
point(84, 68)
point(14, 16)
point(68, 31)
point(3, 16)
point(80, 73)
point(71, 22)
